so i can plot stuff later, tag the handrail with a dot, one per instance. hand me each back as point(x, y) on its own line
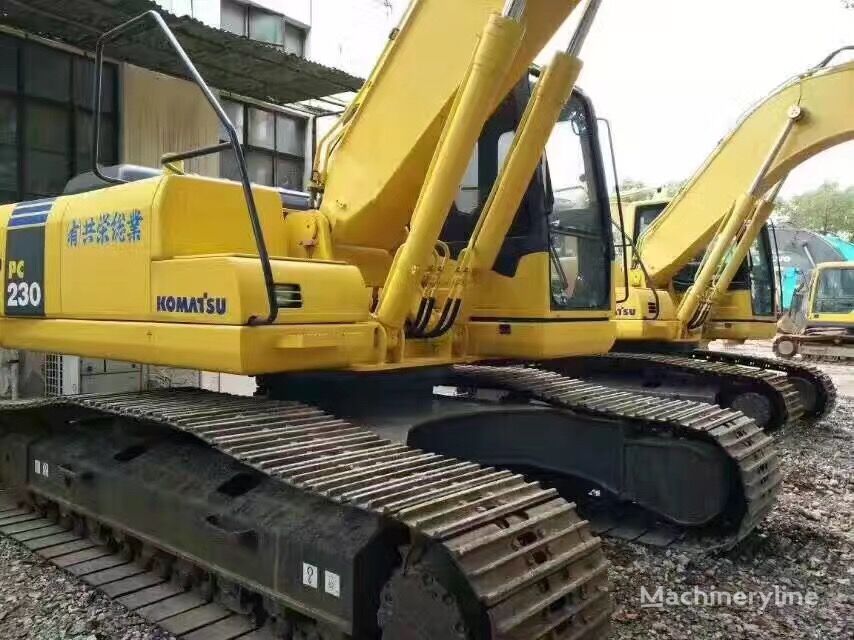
point(607, 124)
point(234, 143)
point(832, 55)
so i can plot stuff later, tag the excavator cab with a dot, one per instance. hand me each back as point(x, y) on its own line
point(748, 309)
point(564, 212)
point(820, 320)
point(579, 233)
point(554, 263)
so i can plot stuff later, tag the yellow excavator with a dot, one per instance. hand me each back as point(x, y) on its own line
point(389, 316)
point(671, 302)
point(820, 321)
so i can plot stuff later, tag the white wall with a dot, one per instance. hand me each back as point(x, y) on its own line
point(297, 10)
point(345, 34)
point(206, 11)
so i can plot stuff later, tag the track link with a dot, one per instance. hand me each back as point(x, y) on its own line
point(783, 397)
point(135, 584)
point(819, 382)
point(532, 563)
point(745, 444)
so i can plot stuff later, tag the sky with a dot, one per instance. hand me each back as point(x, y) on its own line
point(673, 76)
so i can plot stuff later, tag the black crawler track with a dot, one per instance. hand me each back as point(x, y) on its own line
point(731, 376)
point(515, 557)
point(138, 583)
point(750, 449)
point(819, 382)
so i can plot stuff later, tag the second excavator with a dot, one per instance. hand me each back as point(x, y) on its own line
point(671, 301)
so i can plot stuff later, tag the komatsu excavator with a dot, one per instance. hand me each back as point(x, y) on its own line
point(669, 304)
point(386, 315)
point(820, 320)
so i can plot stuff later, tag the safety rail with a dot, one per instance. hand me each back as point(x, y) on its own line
point(233, 143)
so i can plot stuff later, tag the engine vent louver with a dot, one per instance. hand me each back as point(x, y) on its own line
point(288, 296)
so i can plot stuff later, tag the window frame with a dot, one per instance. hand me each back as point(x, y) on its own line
point(74, 113)
point(248, 10)
point(275, 153)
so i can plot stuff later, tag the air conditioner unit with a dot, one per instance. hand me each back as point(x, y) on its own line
point(73, 375)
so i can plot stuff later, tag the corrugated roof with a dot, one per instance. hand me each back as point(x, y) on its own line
point(226, 61)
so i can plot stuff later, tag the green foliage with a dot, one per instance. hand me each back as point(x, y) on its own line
point(636, 190)
point(827, 209)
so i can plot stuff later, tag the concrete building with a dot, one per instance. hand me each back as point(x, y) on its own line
point(279, 50)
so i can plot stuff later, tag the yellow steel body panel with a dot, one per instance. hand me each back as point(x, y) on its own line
point(199, 216)
point(231, 349)
point(194, 241)
point(635, 322)
point(97, 279)
point(524, 304)
point(733, 319)
point(538, 340)
point(231, 290)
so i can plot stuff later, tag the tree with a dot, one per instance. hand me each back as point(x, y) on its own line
point(636, 190)
point(827, 209)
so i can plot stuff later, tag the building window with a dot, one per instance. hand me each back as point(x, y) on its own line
point(274, 146)
point(46, 120)
point(264, 26)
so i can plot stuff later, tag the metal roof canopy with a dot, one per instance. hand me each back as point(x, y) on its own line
point(226, 61)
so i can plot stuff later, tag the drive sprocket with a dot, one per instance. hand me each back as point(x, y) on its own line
point(415, 606)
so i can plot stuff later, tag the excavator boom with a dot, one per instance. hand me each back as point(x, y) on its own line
point(745, 162)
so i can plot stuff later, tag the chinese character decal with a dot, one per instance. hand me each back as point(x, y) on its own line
point(73, 237)
point(120, 227)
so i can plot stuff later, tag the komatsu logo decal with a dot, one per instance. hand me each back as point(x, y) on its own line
point(203, 304)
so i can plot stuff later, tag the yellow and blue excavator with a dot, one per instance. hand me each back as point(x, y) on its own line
point(374, 487)
point(671, 302)
point(820, 321)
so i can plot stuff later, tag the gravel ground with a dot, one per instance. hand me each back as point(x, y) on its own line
point(804, 546)
point(802, 550)
point(40, 602)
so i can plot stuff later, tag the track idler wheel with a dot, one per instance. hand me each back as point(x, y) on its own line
point(785, 347)
point(753, 405)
